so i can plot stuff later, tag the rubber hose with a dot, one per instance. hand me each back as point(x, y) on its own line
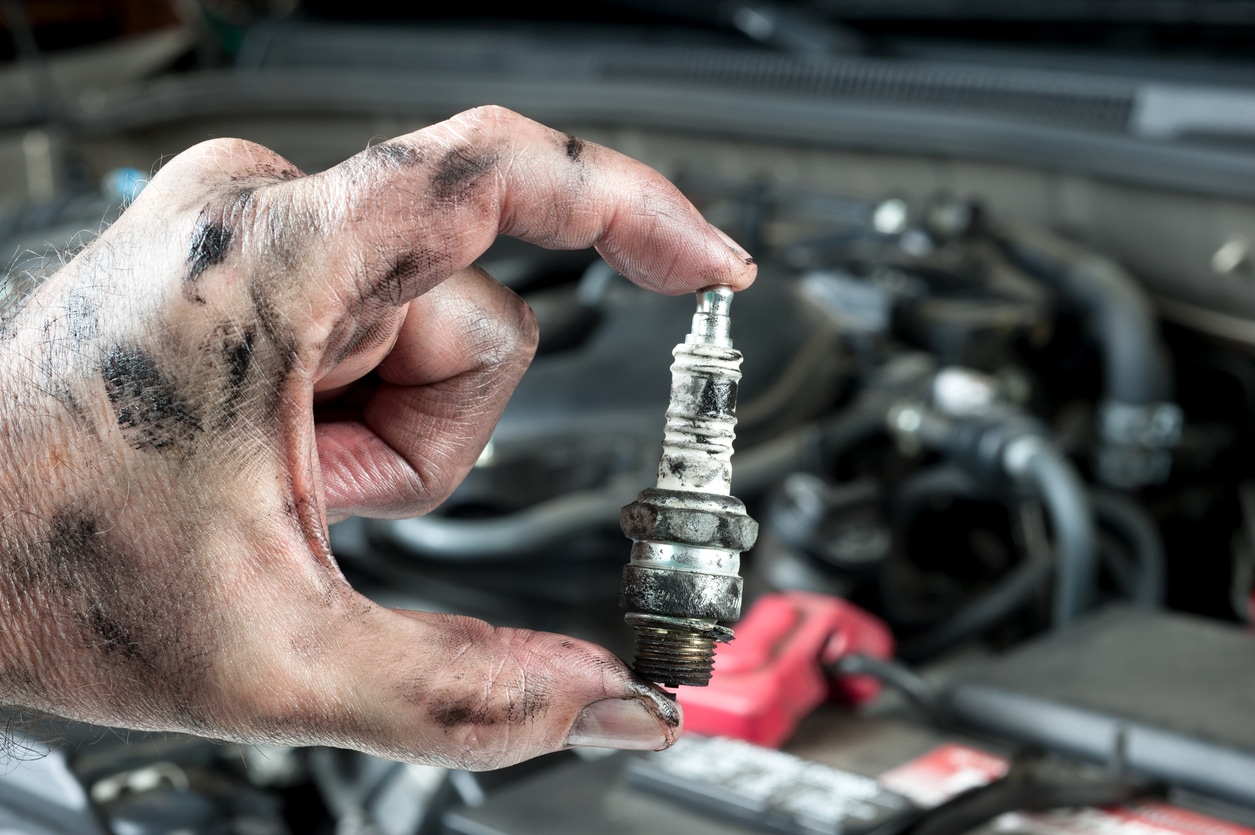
point(1052, 478)
point(1120, 314)
point(917, 689)
point(518, 536)
point(509, 538)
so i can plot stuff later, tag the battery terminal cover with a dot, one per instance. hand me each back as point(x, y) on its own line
point(778, 671)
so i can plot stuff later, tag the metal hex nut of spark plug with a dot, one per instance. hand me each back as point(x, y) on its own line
point(685, 518)
point(688, 594)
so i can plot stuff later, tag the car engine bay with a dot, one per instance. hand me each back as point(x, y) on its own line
point(994, 418)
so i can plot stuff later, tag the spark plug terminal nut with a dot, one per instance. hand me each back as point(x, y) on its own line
point(688, 532)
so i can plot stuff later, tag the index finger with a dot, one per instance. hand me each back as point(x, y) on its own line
point(400, 216)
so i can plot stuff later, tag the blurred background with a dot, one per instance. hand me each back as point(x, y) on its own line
point(995, 420)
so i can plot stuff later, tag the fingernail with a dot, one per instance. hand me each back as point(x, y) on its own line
point(736, 248)
point(627, 724)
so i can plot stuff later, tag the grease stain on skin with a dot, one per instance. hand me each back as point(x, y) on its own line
point(395, 153)
point(210, 244)
point(77, 410)
point(235, 348)
point(238, 356)
point(114, 638)
point(460, 711)
point(83, 566)
point(192, 721)
point(151, 411)
point(309, 521)
point(366, 339)
point(533, 704)
point(574, 148)
point(459, 171)
point(662, 705)
point(275, 329)
point(515, 700)
point(282, 172)
point(82, 322)
point(401, 281)
point(135, 625)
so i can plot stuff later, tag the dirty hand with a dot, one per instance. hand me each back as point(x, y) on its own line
point(249, 352)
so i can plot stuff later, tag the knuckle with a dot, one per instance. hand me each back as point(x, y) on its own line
point(491, 120)
point(492, 114)
point(228, 160)
point(421, 490)
point(498, 334)
point(515, 339)
point(528, 332)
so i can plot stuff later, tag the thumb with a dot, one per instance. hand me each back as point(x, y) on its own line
point(455, 691)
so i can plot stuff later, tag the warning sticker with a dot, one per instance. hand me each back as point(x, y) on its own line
point(943, 773)
point(771, 788)
point(1149, 818)
point(1135, 819)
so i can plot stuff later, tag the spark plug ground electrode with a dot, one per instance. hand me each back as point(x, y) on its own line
point(688, 532)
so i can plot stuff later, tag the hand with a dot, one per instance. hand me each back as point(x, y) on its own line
point(249, 352)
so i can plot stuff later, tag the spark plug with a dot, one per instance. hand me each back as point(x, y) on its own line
point(688, 532)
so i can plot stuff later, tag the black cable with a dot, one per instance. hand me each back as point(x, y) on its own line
point(986, 611)
point(913, 496)
point(1134, 525)
point(917, 689)
point(1118, 563)
point(1024, 792)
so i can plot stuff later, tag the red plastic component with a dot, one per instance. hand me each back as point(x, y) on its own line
point(772, 674)
point(946, 772)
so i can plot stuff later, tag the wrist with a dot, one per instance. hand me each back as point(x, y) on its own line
point(48, 441)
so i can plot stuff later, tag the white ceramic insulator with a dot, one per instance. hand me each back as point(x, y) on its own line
point(701, 419)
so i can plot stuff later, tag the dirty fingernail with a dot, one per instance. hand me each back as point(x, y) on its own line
point(627, 724)
point(736, 248)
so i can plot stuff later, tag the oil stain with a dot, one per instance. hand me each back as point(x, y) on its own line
point(210, 244)
point(459, 171)
point(150, 410)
